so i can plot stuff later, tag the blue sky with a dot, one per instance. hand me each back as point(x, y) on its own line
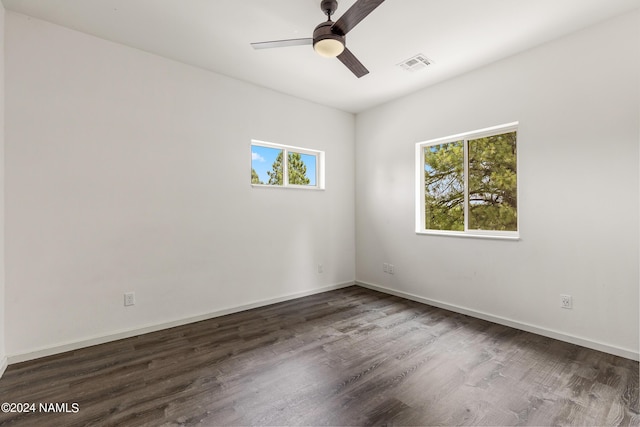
point(262, 159)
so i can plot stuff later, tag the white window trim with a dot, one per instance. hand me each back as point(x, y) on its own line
point(420, 185)
point(319, 155)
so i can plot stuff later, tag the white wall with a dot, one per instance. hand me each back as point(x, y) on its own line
point(130, 172)
point(126, 171)
point(577, 101)
point(3, 353)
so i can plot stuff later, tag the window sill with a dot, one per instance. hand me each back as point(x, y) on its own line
point(512, 237)
point(288, 187)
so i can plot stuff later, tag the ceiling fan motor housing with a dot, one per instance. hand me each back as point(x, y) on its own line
point(324, 32)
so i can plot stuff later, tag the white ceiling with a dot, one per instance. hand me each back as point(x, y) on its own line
point(458, 35)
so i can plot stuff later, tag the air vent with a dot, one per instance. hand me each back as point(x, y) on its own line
point(415, 63)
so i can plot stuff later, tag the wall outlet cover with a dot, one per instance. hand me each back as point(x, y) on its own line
point(129, 299)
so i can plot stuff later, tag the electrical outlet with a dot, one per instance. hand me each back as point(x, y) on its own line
point(129, 299)
point(566, 301)
point(391, 269)
point(320, 269)
point(385, 267)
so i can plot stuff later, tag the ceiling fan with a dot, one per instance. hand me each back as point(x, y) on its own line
point(329, 37)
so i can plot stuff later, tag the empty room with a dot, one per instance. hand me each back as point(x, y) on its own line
point(317, 212)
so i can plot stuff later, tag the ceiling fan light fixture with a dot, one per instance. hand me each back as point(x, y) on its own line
point(327, 43)
point(329, 48)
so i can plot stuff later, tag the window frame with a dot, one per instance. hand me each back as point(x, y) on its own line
point(319, 156)
point(420, 184)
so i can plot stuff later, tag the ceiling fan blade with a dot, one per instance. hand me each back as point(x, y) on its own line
point(352, 63)
point(282, 43)
point(354, 15)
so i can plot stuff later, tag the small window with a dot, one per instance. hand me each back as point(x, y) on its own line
point(283, 166)
point(467, 184)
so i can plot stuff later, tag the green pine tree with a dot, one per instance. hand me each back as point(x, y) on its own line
point(296, 169)
point(444, 186)
point(255, 179)
point(492, 184)
point(275, 174)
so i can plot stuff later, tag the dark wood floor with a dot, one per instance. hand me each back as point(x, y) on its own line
point(346, 357)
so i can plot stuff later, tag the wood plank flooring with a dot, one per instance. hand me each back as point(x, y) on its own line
point(346, 357)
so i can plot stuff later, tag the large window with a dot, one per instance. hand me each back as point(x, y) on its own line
point(467, 184)
point(284, 166)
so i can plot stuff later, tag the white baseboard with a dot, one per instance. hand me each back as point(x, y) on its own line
point(561, 336)
point(69, 346)
point(3, 365)
point(48, 351)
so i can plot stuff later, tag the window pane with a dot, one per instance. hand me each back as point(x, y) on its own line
point(266, 165)
point(311, 161)
point(302, 169)
point(444, 186)
point(493, 183)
